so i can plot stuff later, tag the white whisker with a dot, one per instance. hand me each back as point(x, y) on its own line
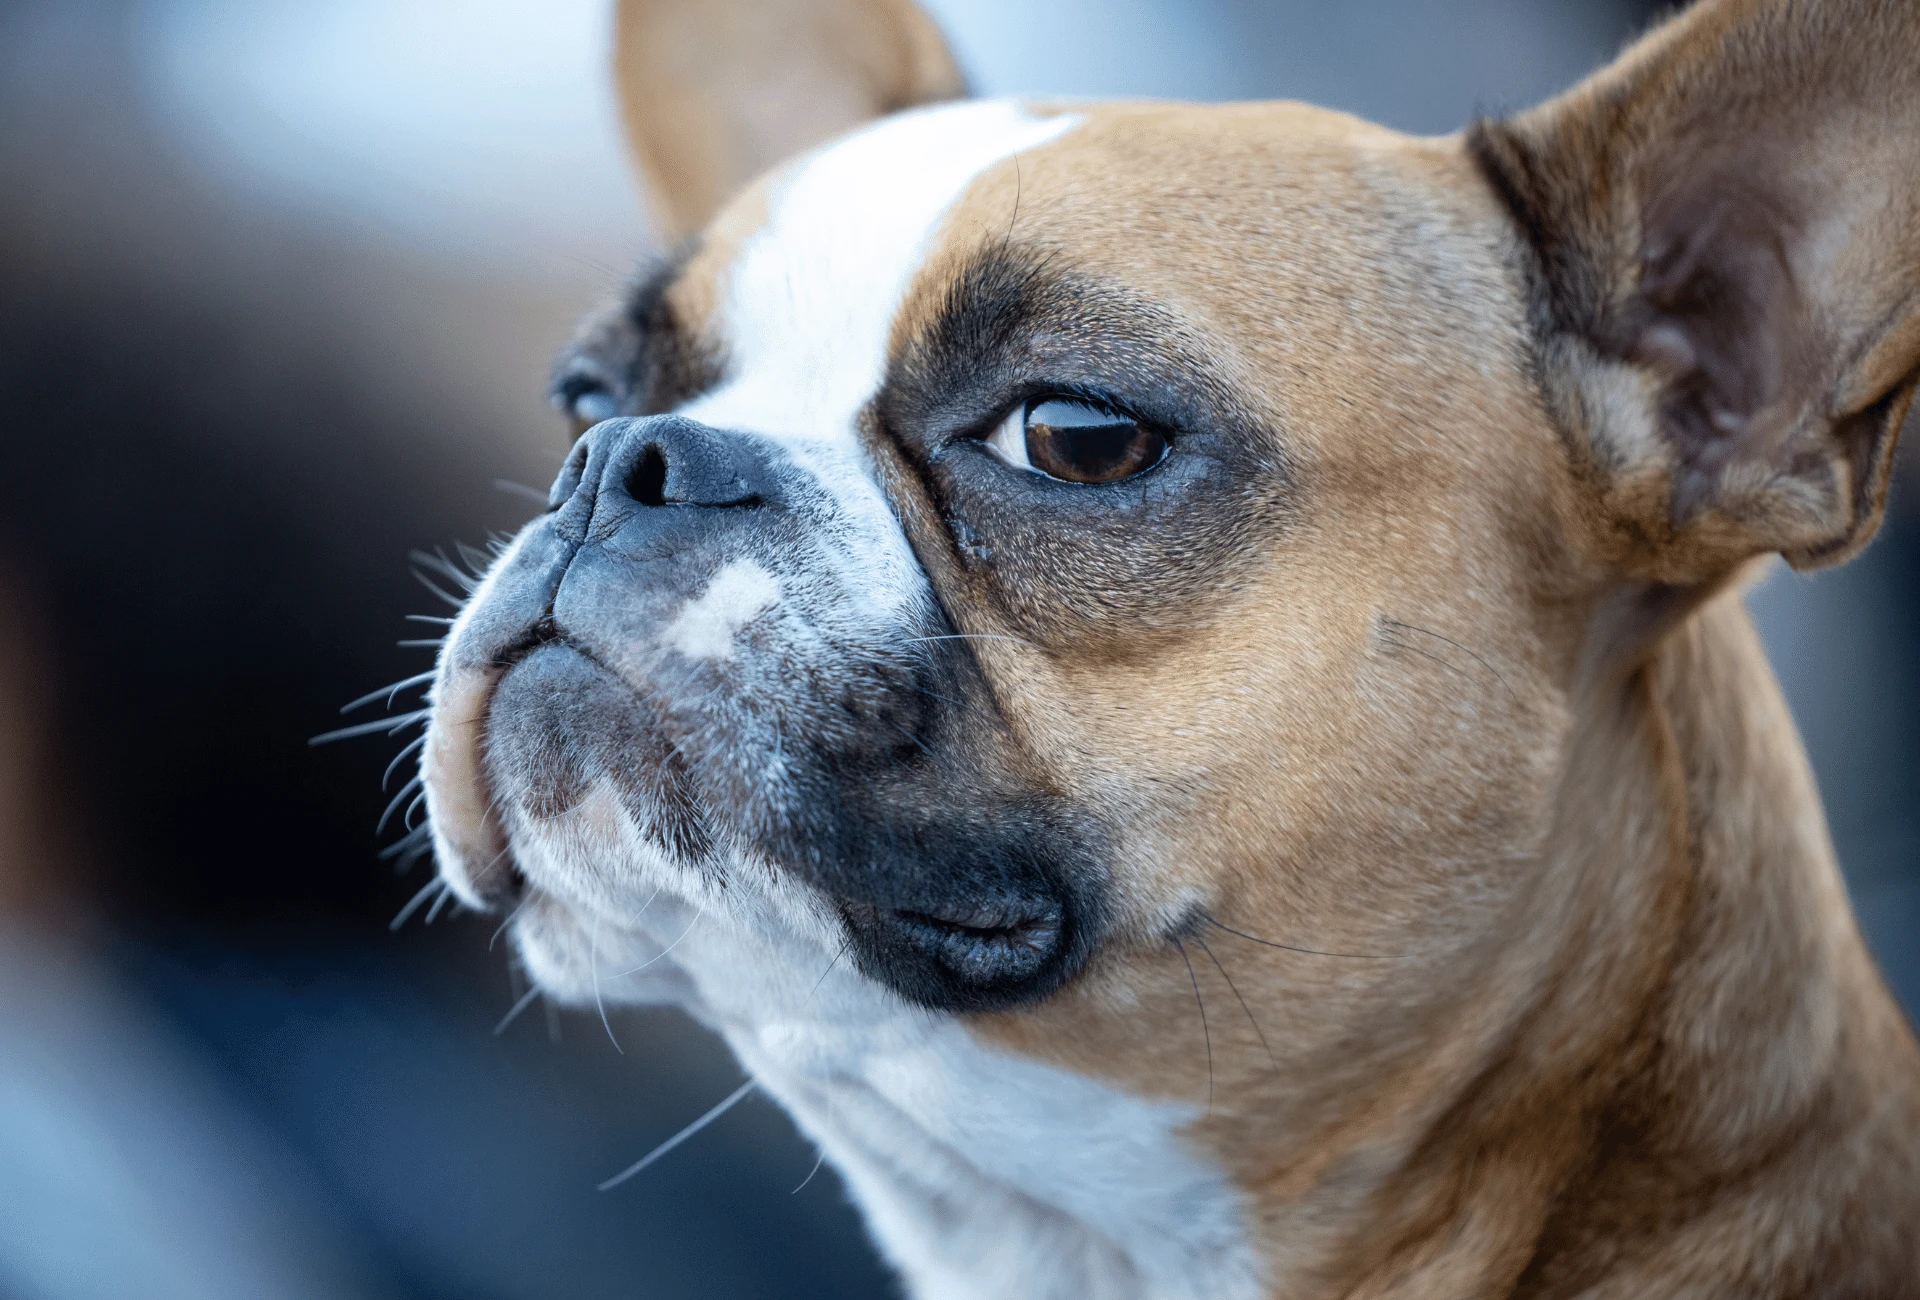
point(670, 947)
point(400, 757)
point(389, 691)
point(593, 960)
point(439, 903)
point(734, 1098)
point(413, 904)
point(388, 725)
point(525, 1001)
point(414, 784)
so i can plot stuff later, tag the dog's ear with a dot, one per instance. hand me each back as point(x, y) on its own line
point(714, 92)
point(1723, 237)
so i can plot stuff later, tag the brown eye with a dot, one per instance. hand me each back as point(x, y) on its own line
point(1077, 441)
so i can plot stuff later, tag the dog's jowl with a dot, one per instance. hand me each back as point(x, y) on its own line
point(1172, 679)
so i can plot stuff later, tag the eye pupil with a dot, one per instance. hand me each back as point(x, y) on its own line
point(1083, 443)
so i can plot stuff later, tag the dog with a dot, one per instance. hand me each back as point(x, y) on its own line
point(1172, 679)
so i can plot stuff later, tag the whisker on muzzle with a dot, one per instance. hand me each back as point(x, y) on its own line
point(374, 728)
point(414, 785)
point(670, 947)
point(410, 848)
point(414, 903)
point(818, 1160)
point(458, 602)
point(438, 903)
point(1258, 1032)
point(1205, 1030)
point(1287, 947)
point(521, 490)
point(418, 679)
point(593, 961)
point(398, 759)
point(508, 920)
point(1394, 623)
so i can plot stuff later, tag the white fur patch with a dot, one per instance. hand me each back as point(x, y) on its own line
point(810, 301)
point(706, 625)
point(982, 1174)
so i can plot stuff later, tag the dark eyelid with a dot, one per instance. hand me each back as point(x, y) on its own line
point(1040, 393)
point(636, 350)
point(575, 383)
point(1115, 412)
point(1016, 325)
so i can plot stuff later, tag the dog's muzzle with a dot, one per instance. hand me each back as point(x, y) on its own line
point(681, 644)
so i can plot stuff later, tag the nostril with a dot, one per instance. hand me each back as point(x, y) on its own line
point(647, 484)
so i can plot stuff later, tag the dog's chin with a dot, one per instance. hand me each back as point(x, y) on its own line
point(595, 805)
point(562, 729)
point(578, 958)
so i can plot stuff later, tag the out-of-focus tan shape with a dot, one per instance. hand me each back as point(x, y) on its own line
point(714, 92)
point(22, 754)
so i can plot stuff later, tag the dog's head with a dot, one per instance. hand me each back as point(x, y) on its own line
point(1035, 563)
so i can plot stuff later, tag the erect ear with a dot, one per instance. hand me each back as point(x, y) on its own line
point(714, 92)
point(1723, 234)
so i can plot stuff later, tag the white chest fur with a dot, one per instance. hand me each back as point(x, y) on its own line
point(981, 1174)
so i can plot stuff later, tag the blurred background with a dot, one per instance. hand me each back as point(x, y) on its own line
point(279, 284)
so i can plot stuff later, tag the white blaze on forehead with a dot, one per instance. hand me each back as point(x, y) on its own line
point(810, 300)
point(705, 626)
point(811, 297)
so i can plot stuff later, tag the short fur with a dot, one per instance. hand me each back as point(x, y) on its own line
point(1365, 854)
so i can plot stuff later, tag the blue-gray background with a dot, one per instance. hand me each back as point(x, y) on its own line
point(278, 286)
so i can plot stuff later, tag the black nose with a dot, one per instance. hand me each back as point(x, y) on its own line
point(622, 465)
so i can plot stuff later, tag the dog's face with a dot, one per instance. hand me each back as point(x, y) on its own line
point(1106, 577)
point(971, 577)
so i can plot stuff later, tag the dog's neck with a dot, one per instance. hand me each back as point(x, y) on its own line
point(1695, 1028)
point(1690, 1028)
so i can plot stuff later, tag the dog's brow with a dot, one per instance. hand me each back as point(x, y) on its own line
point(640, 349)
point(1016, 319)
point(671, 364)
point(648, 296)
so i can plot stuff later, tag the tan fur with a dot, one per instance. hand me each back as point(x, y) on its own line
point(1805, 108)
point(30, 868)
point(1478, 717)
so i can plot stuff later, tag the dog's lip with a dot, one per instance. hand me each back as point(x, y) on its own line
point(537, 636)
point(984, 922)
point(460, 796)
point(494, 852)
point(546, 634)
point(992, 956)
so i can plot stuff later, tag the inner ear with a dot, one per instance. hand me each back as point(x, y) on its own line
point(1719, 320)
point(1721, 240)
